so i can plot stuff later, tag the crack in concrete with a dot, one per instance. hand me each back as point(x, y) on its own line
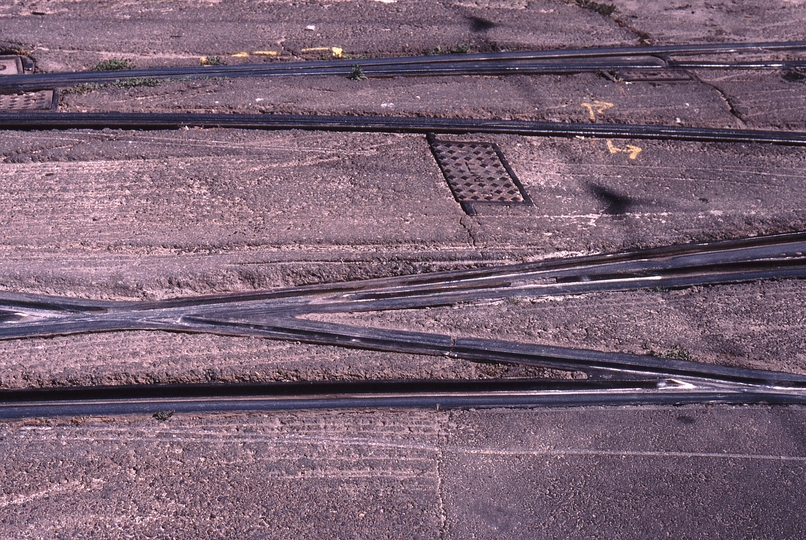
point(725, 98)
point(608, 12)
point(645, 39)
point(468, 227)
point(443, 516)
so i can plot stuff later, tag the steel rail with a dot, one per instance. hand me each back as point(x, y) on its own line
point(19, 83)
point(390, 124)
point(574, 61)
point(597, 365)
point(446, 394)
point(780, 255)
point(761, 64)
point(767, 249)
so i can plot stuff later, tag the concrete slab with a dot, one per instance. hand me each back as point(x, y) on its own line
point(608, 472)
point(69, 36)
point(623, 473)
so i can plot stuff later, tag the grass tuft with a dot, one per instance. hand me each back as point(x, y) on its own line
point(357, 74)
point(163, 416)
point(675, 353)
point(113, 64)
point(136, 82)
point(459, 49)
point(213, 61)
point(603, 9)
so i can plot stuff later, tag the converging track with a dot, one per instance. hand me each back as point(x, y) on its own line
point(602, 59)
point(610, 378)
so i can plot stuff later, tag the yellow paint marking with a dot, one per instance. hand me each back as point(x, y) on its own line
point(597, 107)
point(634, 151)
point(241, 55)
point(631, 149)
point(336, 51)
point(266, 53)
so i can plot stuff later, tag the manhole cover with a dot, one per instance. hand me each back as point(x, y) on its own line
point(44, 100)
point(477, 173)
point(10, 65)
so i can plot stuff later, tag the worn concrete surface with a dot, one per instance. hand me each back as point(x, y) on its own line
point(149, 215)
point(688, 472)
point(704, 21)
point(71, 35)
point(549, 98)
point(131, 214)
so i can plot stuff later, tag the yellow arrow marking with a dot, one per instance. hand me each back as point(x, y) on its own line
point(631, 149)
point(597, 107)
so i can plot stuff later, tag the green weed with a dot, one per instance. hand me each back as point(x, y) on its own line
point(113, 64)
point(136, 82)
point(213, 61)
point(603, 9)
point(459, 49)
point(83, 88)
point(357, 74)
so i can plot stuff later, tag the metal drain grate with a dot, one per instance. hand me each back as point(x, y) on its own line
point(658, 76)
point(477, 173)
point(44, 100)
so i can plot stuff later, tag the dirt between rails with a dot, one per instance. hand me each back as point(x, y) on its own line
point(756, 99)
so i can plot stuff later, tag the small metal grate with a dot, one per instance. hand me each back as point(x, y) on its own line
point(10, 65)
point(660, 75)
point(477, 173)
point(29, 101)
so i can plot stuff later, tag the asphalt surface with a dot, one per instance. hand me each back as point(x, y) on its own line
point(130, 215)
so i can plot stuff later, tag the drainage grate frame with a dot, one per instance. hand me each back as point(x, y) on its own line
point(650, 75)
point(10, 65)
point(42, 100)
point(478, 174)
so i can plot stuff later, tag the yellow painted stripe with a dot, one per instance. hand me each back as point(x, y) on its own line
point(337, 51)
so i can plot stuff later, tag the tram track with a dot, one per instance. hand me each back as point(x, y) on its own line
point(611, 378)
point(205, 398)
point(389, 124)
point(602, 59)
